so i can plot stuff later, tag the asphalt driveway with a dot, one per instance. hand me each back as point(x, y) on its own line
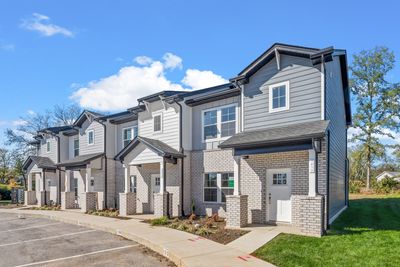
point(34, 241)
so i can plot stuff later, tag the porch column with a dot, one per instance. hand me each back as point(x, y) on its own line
point(163, 176)
point(127, 179)
point(30, 181)
point(67, 181)
point(88, 176)
point(312, 173)
point(236, 177)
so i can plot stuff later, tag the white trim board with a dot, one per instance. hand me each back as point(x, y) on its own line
point(331, 220)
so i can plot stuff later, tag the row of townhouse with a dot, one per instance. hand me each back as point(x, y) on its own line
point(268, 147)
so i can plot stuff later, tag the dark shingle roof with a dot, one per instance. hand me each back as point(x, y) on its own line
point(80, 160)
point(41, 162)
point(294, 132)
point(57, 129)
point(157, 146)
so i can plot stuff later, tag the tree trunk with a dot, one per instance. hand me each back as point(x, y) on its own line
point(368, 174)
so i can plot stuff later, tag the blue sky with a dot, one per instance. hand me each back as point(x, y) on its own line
point(57, 52)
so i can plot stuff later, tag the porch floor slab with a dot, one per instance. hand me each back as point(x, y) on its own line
point(260, 235)
point(182, 248)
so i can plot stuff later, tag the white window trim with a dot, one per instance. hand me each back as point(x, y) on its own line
point(219, 123)
point(155, 114)
point(73, 146)
point(123, 130)
point(137, 131)
point(287, 95)
point(48, 146)
point(90, 144)
point(219, 188)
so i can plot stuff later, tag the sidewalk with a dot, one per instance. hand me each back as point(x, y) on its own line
point(182, 248)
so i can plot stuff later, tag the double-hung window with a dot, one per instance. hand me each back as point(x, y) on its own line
point(48, 147)
point(219, 123)
point(90, 138)
point(157, 123)
point(133, 183)
point(127, 135)
point(76, 147)
point(279, 97)
point(217, 186)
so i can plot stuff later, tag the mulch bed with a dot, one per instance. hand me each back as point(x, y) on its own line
point(213, 228)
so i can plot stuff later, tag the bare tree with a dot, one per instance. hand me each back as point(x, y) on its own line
point(5, 165)
point(66, 114)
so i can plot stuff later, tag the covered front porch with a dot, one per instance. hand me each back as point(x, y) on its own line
point(152, 182)
point(280, 177)
point(42, 181)
point(84, 183)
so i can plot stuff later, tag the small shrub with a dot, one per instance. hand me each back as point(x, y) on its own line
point(192, 217)
point(355, 186)
point(182, 227)
point(203, 231)
point(215, 217)
point(160, 221)
point(386, 185)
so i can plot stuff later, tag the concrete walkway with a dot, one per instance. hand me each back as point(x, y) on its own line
point(182, 248)
point(259, 235)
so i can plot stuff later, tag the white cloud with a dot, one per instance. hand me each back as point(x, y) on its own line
point(19, 122)
point(172, 61)
point(143, 60)
point(121, 90)
point(31, 112)
point(41, 23)
point(198, 79)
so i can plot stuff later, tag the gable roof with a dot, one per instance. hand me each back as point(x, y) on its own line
point(85, 115)
point(80, 160)
point(277, 135)
point(157, 146)
point(41, 162)
point(121, 117)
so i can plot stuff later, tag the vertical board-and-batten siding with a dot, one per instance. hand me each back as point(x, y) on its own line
point(335, 113)
point(304, 100)
point(197, 141)
point(98, 146)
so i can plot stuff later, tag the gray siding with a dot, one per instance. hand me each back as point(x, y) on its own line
point(120, 127)
point(52, 154)
point(305, 94)
point(98, 145)
point(197, 141)
point(335, 112)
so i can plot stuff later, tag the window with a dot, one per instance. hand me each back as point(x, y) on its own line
point(48, 148)
point(227, 182)
point(279, 178)
point(90, 137)
point(157, 123)
point(210, 187)
point(279, 97)
point(76, 187)
point(133, 183)
point(76, 147)
point(228, 121)
point(127, 136)
point(219, 123)
point(217, 186)
point(135, 131)
point(157, 181)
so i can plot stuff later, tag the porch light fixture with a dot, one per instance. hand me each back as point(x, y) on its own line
point(245, 157)
point(317, 145)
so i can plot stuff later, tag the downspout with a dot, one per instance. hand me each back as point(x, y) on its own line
point(59, 170)
point(105, 161)
point(181, 149)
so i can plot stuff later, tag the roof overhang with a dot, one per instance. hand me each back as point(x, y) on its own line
point(41, 162)
point(80, 162)
point(213, 96)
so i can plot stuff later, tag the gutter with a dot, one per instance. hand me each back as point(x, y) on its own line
point(105, 162)
point(181, 149)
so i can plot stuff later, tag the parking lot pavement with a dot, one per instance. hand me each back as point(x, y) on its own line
point(41, 242)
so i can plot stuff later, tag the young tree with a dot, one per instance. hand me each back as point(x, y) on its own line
point(377, 102)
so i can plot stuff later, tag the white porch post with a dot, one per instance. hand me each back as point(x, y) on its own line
point(236, 177)
point(311, 173)
point(30, 181)
point(88, 176)
point(127, 179)
point(67, 181)
point(162, 176)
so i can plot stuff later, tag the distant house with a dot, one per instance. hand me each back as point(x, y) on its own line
point(384, 174)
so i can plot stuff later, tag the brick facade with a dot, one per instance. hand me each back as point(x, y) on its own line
point(160, 204)
point(236, 207)
point(127, 203)
point(43, 198)
point(89, 201)
point(30, 198)
point(308, 214)
point(67, 200)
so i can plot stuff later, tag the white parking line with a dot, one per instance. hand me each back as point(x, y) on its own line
point(76, 256)
point(46, 238)
point(30, 227)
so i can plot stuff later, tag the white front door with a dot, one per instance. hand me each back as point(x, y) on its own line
point(279, 195)
point(155, 188)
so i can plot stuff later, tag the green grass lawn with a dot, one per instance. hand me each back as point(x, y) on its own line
point(366, 234)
